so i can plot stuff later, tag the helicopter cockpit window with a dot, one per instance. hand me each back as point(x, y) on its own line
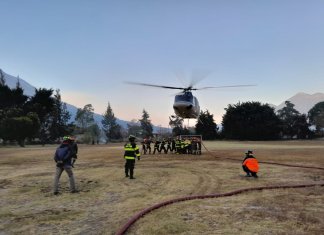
point(186, 97)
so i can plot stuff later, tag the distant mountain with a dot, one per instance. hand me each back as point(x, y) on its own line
point(303, 102)
point(11, 82)
point(29, 90)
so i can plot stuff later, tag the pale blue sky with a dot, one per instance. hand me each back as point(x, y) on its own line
point(88, 48)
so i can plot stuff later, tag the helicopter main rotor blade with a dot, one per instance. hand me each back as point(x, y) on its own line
point(197, 76)
point(210, 87)
point(152, 85)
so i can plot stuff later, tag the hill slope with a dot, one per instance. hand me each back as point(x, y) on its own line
point(29, 90)
point(303, 102)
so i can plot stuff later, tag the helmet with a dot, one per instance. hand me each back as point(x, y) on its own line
point(131, 137)
point(68, 138)
point(249, 152)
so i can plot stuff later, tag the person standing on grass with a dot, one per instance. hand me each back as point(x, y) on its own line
point(131, 153)
point(250, 165)
point(63, 158)
point(148, 145)
point(156, 146)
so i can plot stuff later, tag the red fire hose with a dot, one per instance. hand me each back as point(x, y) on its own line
point(136, 217)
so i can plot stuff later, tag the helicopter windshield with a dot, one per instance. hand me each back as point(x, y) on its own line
point(186, 97)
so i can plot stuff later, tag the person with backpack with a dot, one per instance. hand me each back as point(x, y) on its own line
point(63, 158)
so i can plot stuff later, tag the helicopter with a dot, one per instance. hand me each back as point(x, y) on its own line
point(185, 104)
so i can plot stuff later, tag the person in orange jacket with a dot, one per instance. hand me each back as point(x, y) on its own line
point(250, 165)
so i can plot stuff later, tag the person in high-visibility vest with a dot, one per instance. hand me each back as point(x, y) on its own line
point(131, 153)
point(178, 145)
point(250, 165)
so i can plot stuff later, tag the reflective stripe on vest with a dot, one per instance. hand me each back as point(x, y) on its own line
point(130, 152)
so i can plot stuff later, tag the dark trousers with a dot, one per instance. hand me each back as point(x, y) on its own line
point(148, 147)
point(163, 148)
point(156, 148)
point(129, 167)
point(248, 172)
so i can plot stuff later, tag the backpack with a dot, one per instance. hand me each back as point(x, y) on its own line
point(62, 153)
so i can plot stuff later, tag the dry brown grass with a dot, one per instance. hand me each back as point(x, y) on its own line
point(107, 200)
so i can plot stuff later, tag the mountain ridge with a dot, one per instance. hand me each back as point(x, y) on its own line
point(29, 90)
point(303, 101)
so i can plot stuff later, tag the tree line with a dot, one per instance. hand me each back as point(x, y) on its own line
point(43, 117)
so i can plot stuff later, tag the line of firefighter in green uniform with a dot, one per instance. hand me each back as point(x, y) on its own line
point(178, 146)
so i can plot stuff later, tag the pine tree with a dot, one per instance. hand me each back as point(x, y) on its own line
point(2, 79)
point(59, 118)
point(111, 129)
point(147, 128)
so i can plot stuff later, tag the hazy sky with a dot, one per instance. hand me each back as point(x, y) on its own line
point(88, 48)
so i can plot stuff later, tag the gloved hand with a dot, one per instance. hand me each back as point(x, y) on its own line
point(59, 164)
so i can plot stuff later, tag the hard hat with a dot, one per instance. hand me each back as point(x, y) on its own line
point(131, 137)
point(66, 138)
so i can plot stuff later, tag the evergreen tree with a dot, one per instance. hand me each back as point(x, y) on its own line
point(316, 117)
point(302, 127)
point(288, 116)
point(111, 129)
point(15, 122)
point(59, 118)
point(12, 98)
point(84, 118)
point(206, 126)
point(250, 121)
point(42, 103)
point(2, 78)
point(147, 128)
point(15, 127)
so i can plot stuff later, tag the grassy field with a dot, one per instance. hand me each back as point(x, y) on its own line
point(107, 199)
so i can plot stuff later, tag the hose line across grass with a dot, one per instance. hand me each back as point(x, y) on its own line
point(136, 217)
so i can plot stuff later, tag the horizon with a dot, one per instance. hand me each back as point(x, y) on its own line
point(277, 106)
point(89, 49)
